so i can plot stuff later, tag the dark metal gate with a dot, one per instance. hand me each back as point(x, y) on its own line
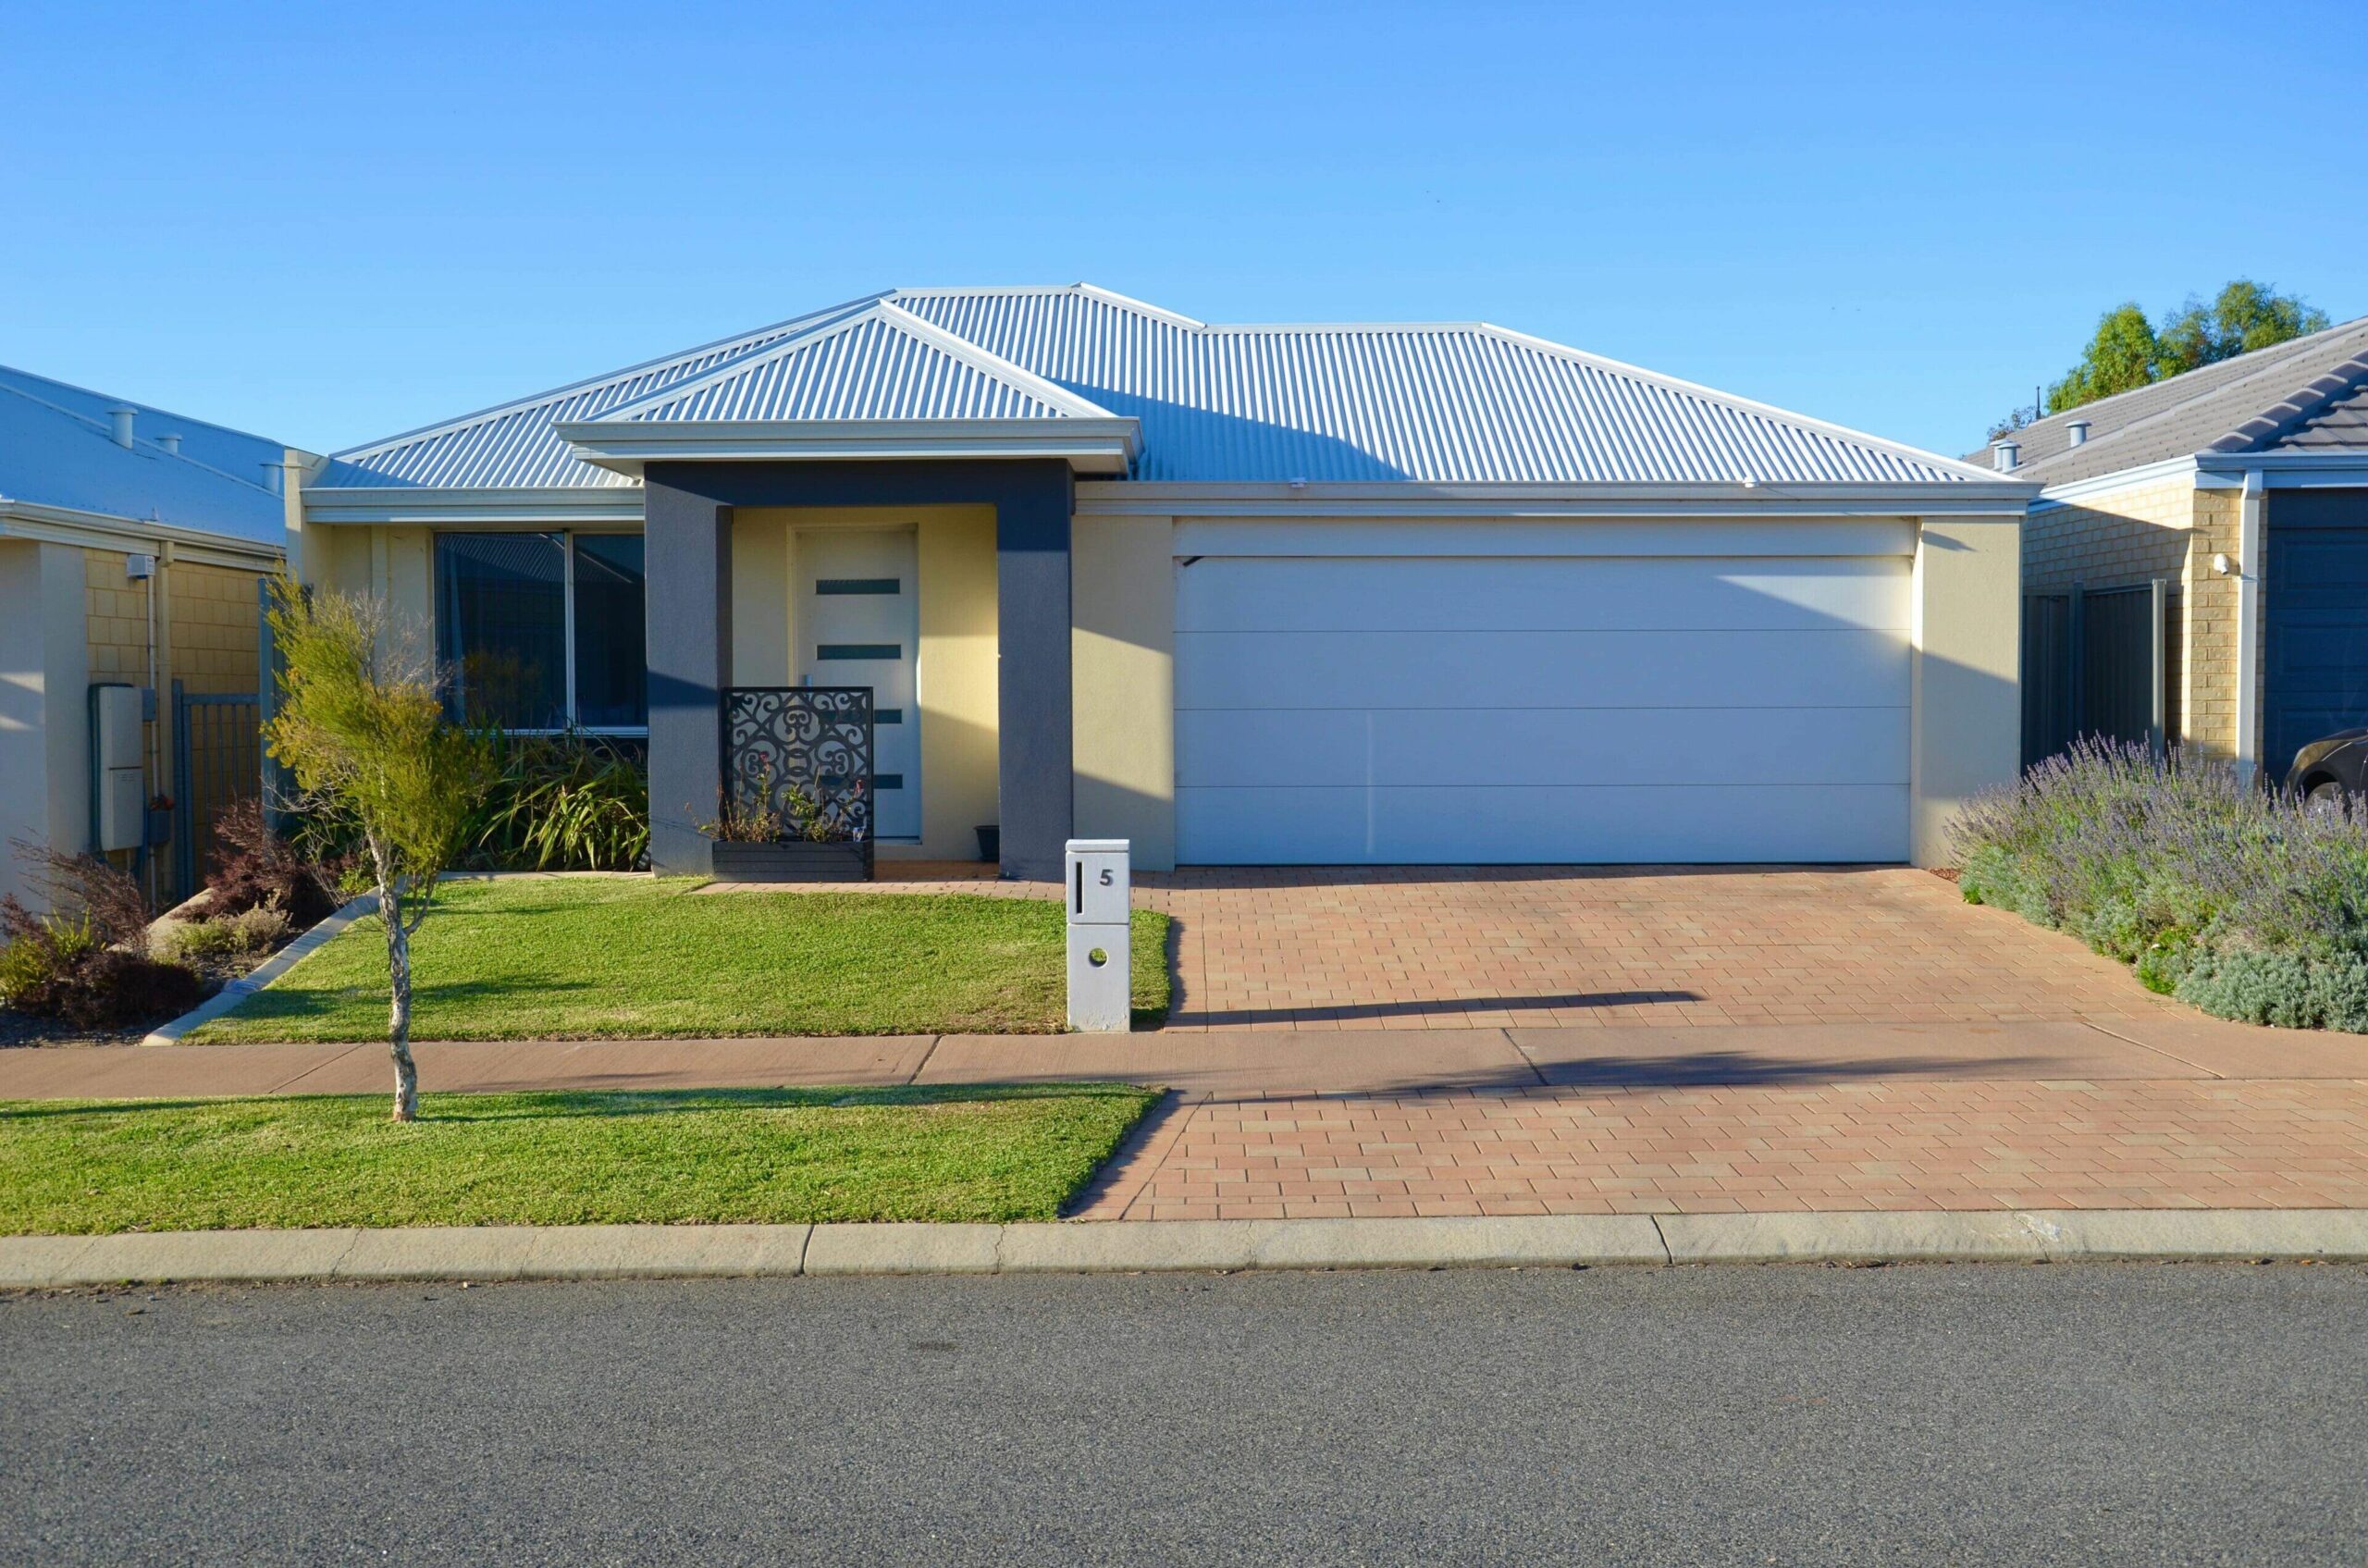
point(218, 761)
point(2096, 662)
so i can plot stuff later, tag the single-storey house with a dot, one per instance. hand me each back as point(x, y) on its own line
point(131, 543)
point(2243, 487)
point(1243, 595)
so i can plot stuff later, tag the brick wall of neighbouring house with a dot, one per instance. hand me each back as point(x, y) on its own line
point(215, 638)
point(2119, 539)
point(216, 641)
point(2211, 663)
point(215, 645)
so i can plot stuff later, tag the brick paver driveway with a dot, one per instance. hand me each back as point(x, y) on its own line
point(1418, 948)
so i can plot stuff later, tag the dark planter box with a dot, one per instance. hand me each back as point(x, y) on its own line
point(794, 861)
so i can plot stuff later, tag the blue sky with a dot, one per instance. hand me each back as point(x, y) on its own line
point(1895, 217)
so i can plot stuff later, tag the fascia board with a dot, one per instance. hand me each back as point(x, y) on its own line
point(424, 504)
point(1404, 500)
point(1105, 445)
point(99, 530)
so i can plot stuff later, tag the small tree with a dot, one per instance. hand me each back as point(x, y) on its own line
point(361, 727)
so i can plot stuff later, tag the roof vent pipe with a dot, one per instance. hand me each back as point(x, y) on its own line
point(274, 476)
point(2009, 453)
point(120, 417)
point(2076, 431)
point(171, 442)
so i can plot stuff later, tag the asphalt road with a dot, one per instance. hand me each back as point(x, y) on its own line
point(1929, 1415)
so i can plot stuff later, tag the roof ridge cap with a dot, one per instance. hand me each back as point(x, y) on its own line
point(2295, 407)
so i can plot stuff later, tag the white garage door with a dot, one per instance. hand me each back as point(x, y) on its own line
point(1464, 711)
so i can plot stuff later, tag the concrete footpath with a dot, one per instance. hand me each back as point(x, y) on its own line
point(613, 1251)
point(2164, 1136)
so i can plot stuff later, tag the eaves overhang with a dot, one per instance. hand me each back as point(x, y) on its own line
point(1107, 445)
point(2220, 471)
point(100, 530)
point(1407, 499)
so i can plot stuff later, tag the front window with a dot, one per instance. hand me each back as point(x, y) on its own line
point(543, 631)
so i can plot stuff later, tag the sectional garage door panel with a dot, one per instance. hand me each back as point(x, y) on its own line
point(1508, 670)
point(1549, 826)
point(1462, 593)
point(1541, 710)
point(1530, 748)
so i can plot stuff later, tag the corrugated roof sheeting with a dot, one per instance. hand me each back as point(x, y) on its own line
point(869, 370)
point(515, 445)
point(58, 448)
point(1434, 403)
point(1438, 403)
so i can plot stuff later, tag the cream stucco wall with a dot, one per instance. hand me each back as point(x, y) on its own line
point(1122, 599)
point(957, 676)
point(44, 678)
point(1966, 723)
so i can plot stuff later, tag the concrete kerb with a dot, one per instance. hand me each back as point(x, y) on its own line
point(278, 964)
point(612, 1251)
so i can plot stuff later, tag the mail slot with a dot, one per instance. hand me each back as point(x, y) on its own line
point(1100, 975)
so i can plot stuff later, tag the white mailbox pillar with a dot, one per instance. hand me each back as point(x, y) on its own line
point(1100, 978)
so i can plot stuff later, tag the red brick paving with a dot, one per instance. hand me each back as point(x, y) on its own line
point(1884, 1144)
point(1461, 946)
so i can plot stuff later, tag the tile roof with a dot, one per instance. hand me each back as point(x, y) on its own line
point(2270, 400)
point(1431, 403)
point(57, 448)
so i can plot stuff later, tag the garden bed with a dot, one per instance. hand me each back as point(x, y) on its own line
point(2242, 904)
point(709, 1156)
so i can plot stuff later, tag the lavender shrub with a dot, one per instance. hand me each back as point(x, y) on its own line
point(2241, 903)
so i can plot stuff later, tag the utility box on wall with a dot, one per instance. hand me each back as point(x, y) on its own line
point(118, 766)
point(1100, 954)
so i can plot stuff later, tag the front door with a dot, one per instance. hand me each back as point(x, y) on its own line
point(858, 625)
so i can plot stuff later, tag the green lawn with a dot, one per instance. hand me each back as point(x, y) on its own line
point(716, 1157)
point(627, 958)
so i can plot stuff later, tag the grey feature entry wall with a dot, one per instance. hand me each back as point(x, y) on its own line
point(689, 511)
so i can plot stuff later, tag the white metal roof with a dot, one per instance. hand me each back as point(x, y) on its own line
point(1457, 403)
point(58, 448)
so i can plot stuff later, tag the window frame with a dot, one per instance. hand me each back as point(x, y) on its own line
point(567, 627)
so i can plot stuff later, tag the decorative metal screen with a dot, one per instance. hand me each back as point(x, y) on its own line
point(218, 761)
point(802, 754)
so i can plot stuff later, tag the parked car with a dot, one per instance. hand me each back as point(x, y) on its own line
point(2332, 768)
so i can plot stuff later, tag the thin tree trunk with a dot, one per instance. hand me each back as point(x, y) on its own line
point(399, 1015)
point(390, 915)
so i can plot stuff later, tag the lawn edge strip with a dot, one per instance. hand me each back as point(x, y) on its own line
point(615, 1252)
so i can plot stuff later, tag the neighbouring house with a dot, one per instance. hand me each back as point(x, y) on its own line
point(2241, 487)
point(131, 542)
point(1242, 595)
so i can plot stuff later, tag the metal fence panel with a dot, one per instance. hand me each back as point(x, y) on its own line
point(2096, 662)
point(218, 761)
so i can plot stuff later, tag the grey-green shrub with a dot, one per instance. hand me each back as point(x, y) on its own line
point(2241, 903)
point(2285, 990)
